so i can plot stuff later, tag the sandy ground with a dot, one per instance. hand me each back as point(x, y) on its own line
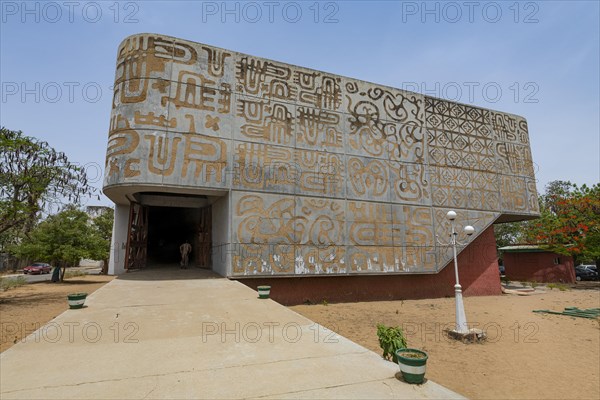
point(26, 308)
point(527, 355)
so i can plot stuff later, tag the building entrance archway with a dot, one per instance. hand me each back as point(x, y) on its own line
point(157, 229)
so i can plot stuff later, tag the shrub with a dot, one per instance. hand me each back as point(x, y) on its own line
point(8, 283)
point(390, 340)
point(73, 274)
point(562, 287)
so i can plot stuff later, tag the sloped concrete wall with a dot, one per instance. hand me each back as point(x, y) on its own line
point(478, 274)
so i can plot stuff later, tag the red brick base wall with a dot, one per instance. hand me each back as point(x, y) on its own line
point(539, 267)
point(478, 274)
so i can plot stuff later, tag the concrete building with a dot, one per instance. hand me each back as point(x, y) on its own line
point(328, 184)
point(532, 263)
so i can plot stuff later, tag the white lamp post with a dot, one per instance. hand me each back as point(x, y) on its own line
point(461, 319)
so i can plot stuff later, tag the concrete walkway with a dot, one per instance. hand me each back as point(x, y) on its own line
point(189, 334)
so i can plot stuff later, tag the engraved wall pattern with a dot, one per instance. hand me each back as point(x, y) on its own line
point(326, 174)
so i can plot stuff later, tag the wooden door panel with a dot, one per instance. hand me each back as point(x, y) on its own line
point(137, 237)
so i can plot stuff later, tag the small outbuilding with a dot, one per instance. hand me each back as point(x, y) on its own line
point(534, 263)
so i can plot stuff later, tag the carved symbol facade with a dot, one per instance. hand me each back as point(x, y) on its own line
point(327, 175)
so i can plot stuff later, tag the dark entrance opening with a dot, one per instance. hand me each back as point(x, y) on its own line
point(169, 228)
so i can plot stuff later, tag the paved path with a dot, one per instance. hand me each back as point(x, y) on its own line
point(189, 334)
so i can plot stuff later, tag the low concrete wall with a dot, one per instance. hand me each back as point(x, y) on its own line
point(478, 274)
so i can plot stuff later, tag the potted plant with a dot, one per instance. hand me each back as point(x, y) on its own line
point(76, 300)
point(411, 361)
point(412, 364)
point(264, 291)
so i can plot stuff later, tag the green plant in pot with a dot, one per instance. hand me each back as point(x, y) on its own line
point(411, 361)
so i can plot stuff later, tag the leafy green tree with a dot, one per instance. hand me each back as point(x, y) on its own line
point(32, 176)
point(103, 224)
point(509, 233)
point(65, 238)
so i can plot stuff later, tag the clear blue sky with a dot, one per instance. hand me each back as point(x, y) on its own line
point(537, 59)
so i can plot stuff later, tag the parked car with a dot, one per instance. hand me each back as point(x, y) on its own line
point(589, 266)
point(37, 268)
point(584, 273)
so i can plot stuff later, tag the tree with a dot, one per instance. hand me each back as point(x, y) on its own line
point(65, 238)
point(509, 233)
point(569, 222)
point(573, 226)
point(32, 175)
point(104, 225)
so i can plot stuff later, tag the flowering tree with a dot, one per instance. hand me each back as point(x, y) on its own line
point(570, 221)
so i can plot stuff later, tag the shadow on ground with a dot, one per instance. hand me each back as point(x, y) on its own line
point(68, 282)
point(586, 285)
point(168, 272)
point(31, 300)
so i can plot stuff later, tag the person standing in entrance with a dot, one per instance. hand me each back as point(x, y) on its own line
point(185, 250)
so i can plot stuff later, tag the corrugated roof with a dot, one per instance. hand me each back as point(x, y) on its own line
point(520, 246)
point(523, 248)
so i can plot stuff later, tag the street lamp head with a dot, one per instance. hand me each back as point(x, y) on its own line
point(469, 230)
point(451, 215)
